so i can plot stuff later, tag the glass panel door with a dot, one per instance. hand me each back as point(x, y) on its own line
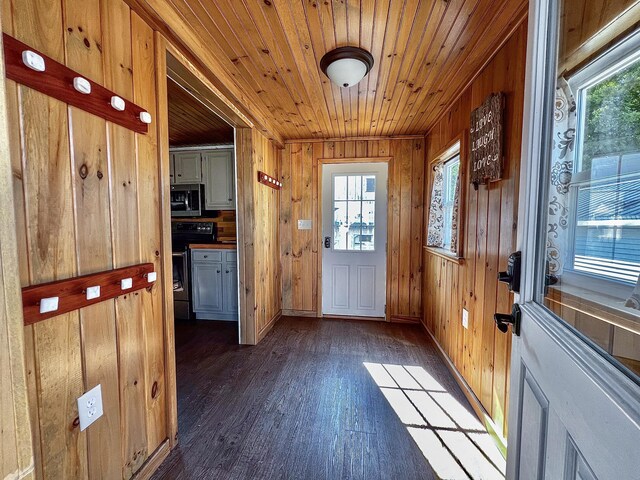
point(591, 218)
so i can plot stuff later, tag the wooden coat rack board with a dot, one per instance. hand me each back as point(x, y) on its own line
point(269, 181)
point(57, 81)
point(74, 293)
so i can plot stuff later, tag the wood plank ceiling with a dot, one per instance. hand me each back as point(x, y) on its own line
point(425, 52)
point(191, 122)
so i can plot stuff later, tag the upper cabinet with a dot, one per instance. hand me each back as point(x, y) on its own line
point(186, 167)
point(218, 179)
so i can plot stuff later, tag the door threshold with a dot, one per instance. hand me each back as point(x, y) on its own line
point(353, 317)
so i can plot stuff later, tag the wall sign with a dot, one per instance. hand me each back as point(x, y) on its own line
point(486, 140)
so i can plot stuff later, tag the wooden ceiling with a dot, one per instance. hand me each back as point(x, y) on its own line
point(425, 52)
point(193, 123)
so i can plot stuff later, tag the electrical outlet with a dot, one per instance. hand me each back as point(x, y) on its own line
point(90, 407)
point(465, 318)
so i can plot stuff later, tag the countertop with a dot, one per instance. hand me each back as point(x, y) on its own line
point(215, 246)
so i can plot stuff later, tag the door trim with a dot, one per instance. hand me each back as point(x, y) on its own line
point(318, 226)
point(539, 86)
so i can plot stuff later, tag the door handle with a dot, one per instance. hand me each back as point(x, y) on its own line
point(503, 320)
point(512, 276)
point(327, 242)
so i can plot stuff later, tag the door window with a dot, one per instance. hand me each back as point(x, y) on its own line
point(354, 212)
point(592, 234)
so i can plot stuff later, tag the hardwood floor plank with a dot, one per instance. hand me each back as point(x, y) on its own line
point(301, 404)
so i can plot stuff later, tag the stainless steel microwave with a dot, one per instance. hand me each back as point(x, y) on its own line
point(185, 200)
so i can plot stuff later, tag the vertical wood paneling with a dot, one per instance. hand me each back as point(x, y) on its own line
point(89, 158)
point(481, 353)
point(143, 60)
point(80, 185)
point(16, 453)
point(300, 249)
point(259, 217)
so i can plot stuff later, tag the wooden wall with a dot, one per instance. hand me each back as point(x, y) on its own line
point(70, 224)
point(16, 453)
point(301, 279)
point(481, 353)
point(258, 234)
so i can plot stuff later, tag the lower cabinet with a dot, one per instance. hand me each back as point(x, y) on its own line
point(214, 277)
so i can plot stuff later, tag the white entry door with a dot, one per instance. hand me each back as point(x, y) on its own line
point(575, 366)
point(354, 232)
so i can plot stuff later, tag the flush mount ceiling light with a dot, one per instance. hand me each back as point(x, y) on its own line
point(346, 66)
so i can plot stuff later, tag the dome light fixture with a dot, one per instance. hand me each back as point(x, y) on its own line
point(346, 66)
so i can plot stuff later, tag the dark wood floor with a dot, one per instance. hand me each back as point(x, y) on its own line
point(300, 405)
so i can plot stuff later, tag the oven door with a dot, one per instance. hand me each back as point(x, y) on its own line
point(181, 285)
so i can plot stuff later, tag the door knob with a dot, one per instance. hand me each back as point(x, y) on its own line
point(503, 320)
point(327, 242)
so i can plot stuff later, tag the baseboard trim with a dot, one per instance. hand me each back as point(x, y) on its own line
point(353, 317)
point(480, 411)
point(404, 319)
point(267, 328)
point(299, 313)
point(153, 462)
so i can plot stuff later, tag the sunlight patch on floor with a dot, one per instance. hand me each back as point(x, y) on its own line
point(452, 439)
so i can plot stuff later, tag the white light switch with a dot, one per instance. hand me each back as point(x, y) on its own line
point(82, 85)
point(49, 304)
point(304, 224)
point(33, 60)
point(126, 283)
point(465, 318)
point(90, 407)
point(93, 292)
point(152, 276)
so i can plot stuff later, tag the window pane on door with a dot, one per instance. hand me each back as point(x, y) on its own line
point(592, 256)
point(354, 219)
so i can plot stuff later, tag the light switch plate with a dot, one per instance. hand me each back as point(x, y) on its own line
point(304, 224)
point(465, 318)
point(93, 292)
point(126, 283)
point(49, 304)
point(90, 407)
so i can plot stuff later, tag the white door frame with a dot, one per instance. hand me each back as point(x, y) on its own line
point(539, 85)
point(318, 226)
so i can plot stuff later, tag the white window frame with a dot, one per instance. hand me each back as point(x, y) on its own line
point(448, 219)
point(362, 200)
point(612, 61)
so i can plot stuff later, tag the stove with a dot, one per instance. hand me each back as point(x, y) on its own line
point(184, 232)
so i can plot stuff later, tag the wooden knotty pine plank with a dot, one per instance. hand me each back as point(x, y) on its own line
point(143, 59)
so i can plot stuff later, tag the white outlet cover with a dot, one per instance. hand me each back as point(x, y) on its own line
point(93, 292)
point(90, 407)
point(304, 224)
point(49, 304)
point(152, 277)
point(465, 318)
point(126, 283)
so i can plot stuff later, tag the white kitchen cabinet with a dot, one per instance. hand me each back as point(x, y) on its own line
point(207, 287)
point(219, 179)
point(214, 274)
point(187, 167)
